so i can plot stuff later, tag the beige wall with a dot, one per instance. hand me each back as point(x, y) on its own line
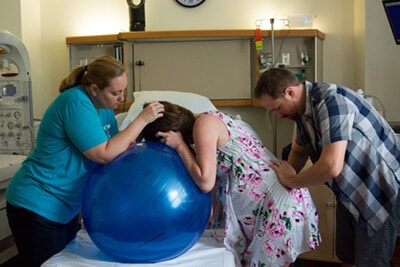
point(359, 41)
point(382, 60)
point(10, 16)
point(353, 56)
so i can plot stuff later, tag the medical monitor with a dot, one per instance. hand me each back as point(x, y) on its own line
point(8, 89)
point(392, 9)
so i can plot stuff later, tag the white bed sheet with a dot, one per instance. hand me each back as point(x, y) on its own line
point(207, 252)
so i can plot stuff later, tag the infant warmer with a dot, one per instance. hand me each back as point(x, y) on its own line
point(16, 117)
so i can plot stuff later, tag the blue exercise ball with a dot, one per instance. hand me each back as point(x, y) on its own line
point(143, 207)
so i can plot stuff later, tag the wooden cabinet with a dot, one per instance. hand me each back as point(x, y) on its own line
point(326, 205)
point(220, 64)
point(83, 50)
point(218, 68)
point(214, 63)
point(325, 201)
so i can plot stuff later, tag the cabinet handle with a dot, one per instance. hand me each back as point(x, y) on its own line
point(329, 204)
point(140, 63)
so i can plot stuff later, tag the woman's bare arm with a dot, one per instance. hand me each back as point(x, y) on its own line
point(108, 150)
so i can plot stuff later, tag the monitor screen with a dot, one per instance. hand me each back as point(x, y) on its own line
point(392, 9)
point(9, 89)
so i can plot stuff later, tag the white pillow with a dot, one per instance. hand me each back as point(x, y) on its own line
point(194, 102)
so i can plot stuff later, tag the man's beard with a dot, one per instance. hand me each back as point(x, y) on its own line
point(294, 117)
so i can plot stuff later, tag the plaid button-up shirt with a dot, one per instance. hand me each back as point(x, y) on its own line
point(369, 183)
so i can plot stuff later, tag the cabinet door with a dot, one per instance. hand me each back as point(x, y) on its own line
point(82, 54)
point(325, 202)
point(218, 69)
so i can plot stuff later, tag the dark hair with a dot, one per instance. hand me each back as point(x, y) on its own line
point(99, 71)
point(273, 82)
point(176, 118)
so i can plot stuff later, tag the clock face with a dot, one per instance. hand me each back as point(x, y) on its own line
point(190, 3)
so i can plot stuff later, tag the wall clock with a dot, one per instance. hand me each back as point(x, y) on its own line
point(190, 3)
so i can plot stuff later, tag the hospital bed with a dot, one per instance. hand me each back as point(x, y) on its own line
point(208, 251)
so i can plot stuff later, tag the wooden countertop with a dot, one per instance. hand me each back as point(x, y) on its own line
point(190, 34)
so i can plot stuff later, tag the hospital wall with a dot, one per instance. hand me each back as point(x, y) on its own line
point(359, 50)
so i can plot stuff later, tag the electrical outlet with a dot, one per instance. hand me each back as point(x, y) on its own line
point(285, 58)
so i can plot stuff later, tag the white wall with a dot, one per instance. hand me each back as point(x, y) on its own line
point(10, 16)
point(31, 35)
point(359, 41)
point(44, 24)
point(382, 60)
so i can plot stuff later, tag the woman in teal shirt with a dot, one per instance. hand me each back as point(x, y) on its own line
point(77, 130)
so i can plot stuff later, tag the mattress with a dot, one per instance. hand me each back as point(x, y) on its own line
point(208, 251)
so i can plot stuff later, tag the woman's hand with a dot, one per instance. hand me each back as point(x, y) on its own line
point(151, 112)
point(171, 138)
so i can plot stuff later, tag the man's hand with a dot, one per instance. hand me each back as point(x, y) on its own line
point(284, 171)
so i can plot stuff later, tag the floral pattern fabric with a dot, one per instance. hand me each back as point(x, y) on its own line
point(267, 224)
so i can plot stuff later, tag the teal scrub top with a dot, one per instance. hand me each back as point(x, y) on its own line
point(51, 180)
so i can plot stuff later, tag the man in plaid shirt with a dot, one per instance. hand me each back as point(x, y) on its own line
point(354, 151)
